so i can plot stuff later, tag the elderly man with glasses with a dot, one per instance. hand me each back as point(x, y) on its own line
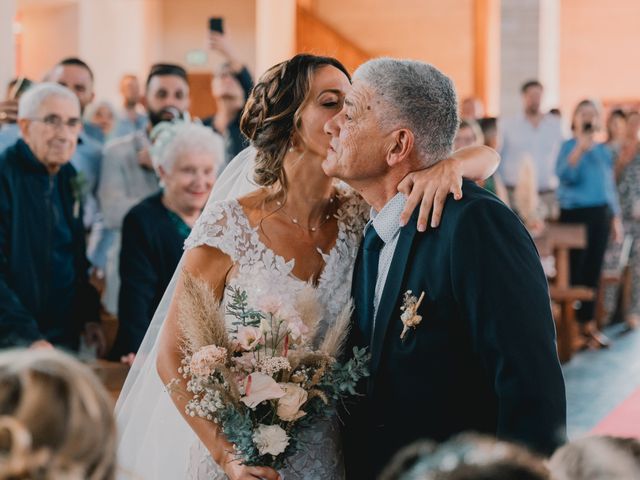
point(45, 297)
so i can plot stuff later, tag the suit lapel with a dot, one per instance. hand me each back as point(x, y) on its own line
point(391, 291)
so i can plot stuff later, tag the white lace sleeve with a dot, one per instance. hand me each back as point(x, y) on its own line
point(222, 225)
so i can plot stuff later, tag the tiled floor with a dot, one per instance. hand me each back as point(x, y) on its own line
point(598, 381)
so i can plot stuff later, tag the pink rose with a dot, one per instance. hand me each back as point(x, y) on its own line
point(289, 405)
point(204, 361)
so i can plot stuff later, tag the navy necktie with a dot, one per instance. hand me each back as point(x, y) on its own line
point(367, 282)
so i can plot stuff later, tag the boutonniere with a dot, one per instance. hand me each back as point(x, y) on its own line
point(410, 317)
point(78, 184)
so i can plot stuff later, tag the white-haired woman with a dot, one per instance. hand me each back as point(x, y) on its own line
point(186, 157)
point(102, 115)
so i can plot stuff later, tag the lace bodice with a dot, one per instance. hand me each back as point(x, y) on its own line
point(259, 271)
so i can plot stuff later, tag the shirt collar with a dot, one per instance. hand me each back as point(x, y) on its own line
point(387, 221)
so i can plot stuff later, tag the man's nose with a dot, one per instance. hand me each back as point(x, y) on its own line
point(331, 127)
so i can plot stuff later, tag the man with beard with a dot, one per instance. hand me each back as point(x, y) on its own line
point(127, 174)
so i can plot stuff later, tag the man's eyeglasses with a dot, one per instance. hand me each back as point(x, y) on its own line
point(55, 122)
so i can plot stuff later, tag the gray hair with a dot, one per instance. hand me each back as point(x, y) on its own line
point(95, 106)
point(419, 97)
point(174, 139)
point(33, 98)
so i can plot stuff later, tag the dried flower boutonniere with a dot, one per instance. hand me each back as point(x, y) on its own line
point(410, 317)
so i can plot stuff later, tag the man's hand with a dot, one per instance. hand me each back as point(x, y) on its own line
point(219, 42)
point(430, 188)
point(617, 230)
point(8, 112)
point(94, 336)
point(144, 159)
point(40, 344)
point(128, 359)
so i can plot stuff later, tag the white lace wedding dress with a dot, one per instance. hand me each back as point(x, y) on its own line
point(259, 271)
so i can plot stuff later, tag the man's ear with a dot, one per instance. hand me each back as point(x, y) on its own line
point(400, 147)
point(23, 124)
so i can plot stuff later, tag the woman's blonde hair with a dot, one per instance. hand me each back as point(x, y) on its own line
point(56, 419)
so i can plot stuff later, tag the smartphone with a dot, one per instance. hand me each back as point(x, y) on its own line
point(21, 85)
point(216, 24)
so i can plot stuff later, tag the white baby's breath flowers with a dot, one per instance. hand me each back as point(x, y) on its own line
point(272, 365)
point(270, 439)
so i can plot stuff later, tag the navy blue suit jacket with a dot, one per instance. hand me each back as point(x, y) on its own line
point(484, 356)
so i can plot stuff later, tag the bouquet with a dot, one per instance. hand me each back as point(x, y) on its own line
point(259, 376)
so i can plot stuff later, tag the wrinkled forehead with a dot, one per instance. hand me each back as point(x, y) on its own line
point(57, 105)
point(362, 96)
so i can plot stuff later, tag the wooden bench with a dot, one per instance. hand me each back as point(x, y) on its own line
point(557, 240)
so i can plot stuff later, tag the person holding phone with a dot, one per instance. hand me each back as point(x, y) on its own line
point(587, 195)
point(230, 86)
point(9, 131)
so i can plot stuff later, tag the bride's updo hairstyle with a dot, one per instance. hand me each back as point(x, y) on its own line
point(272, 113)
point(56, 419)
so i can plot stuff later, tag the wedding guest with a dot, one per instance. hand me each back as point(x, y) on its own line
point(587, 195)
point(103, 115)
point(56, 419)
point(186, 158)
point(627, 169)
point(597, 458)
point(45, 296)
point(76, 75)
point(9, 130)
point(471, 108)
point(231, 86)
point(465, 457)
point(470, 134)
point(616, 130)
point(531, 136)
point(127, 174)
point(131, 118)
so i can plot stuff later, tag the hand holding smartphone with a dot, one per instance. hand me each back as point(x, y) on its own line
point(216, 24)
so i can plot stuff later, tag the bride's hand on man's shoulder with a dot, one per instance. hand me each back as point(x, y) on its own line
point(429, 188)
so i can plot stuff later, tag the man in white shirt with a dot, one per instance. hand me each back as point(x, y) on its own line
point(531, 136)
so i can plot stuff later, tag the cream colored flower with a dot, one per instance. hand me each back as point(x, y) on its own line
point(289, 405)
point(270, 304)
point(203, 362)
point(271, 439)
point(297, 329)
point(260, 387)
point(249, 337)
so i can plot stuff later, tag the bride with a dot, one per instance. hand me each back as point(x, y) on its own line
point(294, 226)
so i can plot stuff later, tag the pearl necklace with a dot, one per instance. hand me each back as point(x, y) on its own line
point(295, 221)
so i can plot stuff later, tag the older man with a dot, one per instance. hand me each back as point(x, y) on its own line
point(457, 318)
point(45, 297)
point(127, 172)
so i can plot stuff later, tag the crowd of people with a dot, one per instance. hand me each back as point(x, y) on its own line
point(97, 202)
point(588, 177)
